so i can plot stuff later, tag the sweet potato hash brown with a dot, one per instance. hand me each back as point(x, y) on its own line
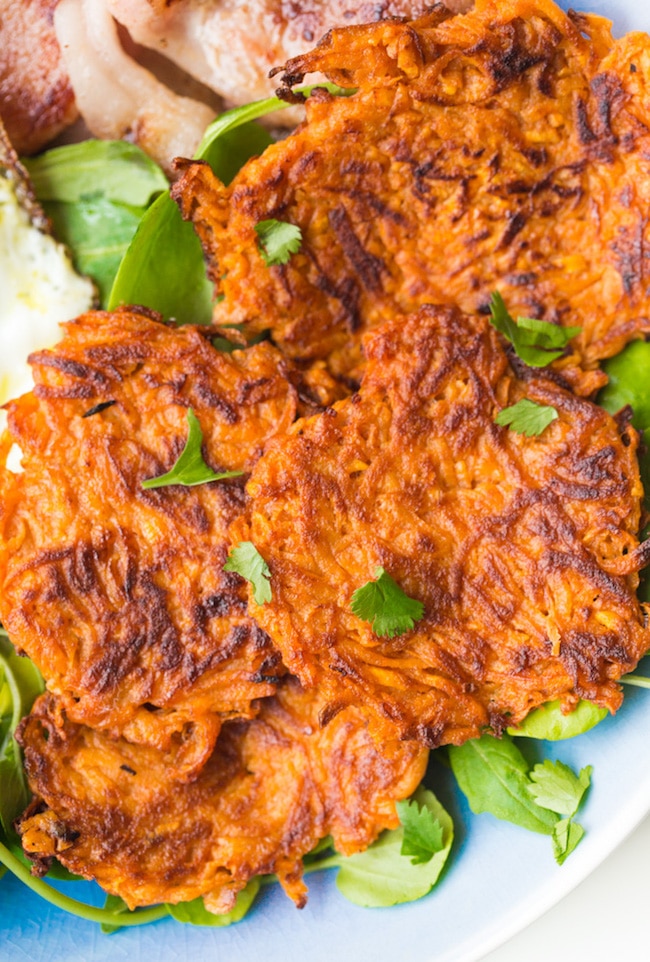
point(523, 549)
point(272, 789)
point(506, 148)
point(118, 594)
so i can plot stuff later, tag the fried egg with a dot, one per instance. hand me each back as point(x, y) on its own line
point(39, 288)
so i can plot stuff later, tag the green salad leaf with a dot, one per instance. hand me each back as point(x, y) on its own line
point(20, 685)
point(190, 468)
point(493, 774)
point(551, 723)
point(536, 342)
point(195, 912)
point(386, 606)
point(496, 778)
point(246, 561)
point(96, 193)
point(629, 383)
point(383, 875)
point(526, 417)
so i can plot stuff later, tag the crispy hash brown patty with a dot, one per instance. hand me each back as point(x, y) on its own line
point(506, 148)
point(523, 550)
point(117, 593)
point(272, 789)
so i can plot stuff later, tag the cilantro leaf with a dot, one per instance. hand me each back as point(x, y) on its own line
point(190, 469)
point(383, 603)
point(382, 875)
point(536, 342)
point(277, 241)
point(527, 417)
point(556, 788)
point(246, 561)
point(422, 831)
point(566, 836)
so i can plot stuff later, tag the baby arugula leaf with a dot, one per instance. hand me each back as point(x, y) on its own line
point(422, 831)
point(195, 912)
point(190, 468)
point(278, 240)
point(382, 875)
point(493, 774)
point(246, 561)
point(551, 723)
point(383, 603)
point(536, 342)
point(526, 417)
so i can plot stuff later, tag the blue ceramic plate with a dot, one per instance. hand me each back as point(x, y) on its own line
point(498, 879)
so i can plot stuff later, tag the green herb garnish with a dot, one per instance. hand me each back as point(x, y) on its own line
point(537, 343)
point(383, 875)
point(496, 778)
point(277, 241)
point(383, 603)
point(190, 469)
point(527, 417)
point(556, 788)
point(246, 561)
point(423, 833)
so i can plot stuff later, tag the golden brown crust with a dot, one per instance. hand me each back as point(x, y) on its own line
point(272, 789)
point(118, 593)
point(523, 550)
point(507, 148)
point(36, 99)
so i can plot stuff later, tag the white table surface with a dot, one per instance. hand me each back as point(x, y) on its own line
point(606, 917)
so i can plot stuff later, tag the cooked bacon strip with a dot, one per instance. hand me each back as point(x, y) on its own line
point(115, 95)
point(231, 47)
point(36, 99)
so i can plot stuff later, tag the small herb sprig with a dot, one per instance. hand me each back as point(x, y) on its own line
point(536, 342)
point(190, 468)
point(386, 606)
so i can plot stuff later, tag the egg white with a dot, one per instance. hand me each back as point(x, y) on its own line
point(39, 288)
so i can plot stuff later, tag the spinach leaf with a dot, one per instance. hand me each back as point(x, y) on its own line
point(120, 171)
point(95, 193)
